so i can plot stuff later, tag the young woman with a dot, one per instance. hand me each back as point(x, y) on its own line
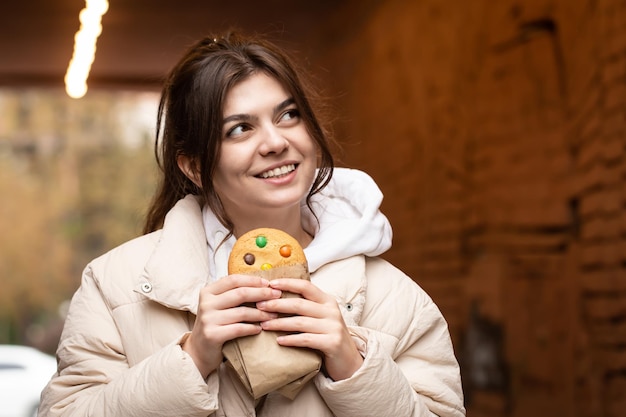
point(241, 148)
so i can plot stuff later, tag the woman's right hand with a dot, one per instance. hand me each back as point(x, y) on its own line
point(222, 316)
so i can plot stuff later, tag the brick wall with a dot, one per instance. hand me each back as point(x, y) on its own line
point(597, 136)
point(497, 132)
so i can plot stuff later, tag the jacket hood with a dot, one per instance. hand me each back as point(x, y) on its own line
point(350, 220)
point(345, 220)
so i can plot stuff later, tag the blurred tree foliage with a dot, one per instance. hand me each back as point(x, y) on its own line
point(65, 201)
point(115, 186)
point(35, 263)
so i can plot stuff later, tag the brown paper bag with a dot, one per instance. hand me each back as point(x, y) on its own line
point(264, 366)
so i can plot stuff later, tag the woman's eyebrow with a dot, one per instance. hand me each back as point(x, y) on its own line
point(283, 105)
point(244, 117)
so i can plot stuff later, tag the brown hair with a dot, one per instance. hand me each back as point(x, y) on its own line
point(190, 116)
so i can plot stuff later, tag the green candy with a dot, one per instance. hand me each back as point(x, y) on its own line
point(261, 241)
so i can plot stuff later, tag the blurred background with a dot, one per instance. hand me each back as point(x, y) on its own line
point(496, 131)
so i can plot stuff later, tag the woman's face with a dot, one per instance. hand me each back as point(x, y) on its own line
point(268, 159)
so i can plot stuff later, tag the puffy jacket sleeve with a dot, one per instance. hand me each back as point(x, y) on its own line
point(409, 365)
point(94, 377)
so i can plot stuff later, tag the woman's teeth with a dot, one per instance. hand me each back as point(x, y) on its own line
point(278, 171)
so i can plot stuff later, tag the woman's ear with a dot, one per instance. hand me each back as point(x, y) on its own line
point(188, 166)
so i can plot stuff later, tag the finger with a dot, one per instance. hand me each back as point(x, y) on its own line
point(294, 306)
point(309, 340)
point(223, 334)
point(330, 344)
point(240, 315)
point(303, 324)
point(327, 308)
point(238, 296)
point(300, 286)
point(230, 282)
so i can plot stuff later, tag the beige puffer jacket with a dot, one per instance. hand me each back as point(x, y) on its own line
point(119, 353)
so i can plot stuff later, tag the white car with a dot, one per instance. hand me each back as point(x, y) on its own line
point(24, 372)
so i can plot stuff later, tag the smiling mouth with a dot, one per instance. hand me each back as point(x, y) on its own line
point(277, 172)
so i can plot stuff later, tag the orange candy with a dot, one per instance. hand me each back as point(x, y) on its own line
point(285, 251)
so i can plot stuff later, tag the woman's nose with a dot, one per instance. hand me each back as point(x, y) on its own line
point(273, 140)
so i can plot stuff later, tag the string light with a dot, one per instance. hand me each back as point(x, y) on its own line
point(85, 47)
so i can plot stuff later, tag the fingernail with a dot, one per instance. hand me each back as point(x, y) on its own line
point(277, 293)
point(261, 304)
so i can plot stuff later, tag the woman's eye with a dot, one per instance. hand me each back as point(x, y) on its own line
point(290, 114)
point(236, 130)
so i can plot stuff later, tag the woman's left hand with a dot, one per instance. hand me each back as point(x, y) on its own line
point(318, 324)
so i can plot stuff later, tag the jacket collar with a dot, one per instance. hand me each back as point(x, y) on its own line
point(178, 267)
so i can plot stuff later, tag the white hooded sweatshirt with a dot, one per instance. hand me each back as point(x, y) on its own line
point(350, 223)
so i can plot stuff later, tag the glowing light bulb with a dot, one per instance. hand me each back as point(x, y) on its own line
point(85, 47)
